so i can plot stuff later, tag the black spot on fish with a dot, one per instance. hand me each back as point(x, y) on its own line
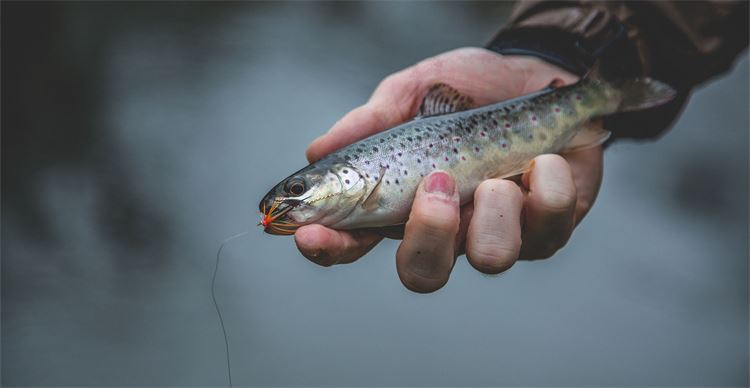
point(455, 150)
point(382, 140)
point(387, 182)
point(346, 181)
point(346, 171)
point(405, 172)
point(417, 129)
point(419, 160)
point(374, 149)
point(409, 139)
point(396, 181)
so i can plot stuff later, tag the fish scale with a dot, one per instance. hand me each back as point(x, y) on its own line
point(372, 182)
point(472, 145)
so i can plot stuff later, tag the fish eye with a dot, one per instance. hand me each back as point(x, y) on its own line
point(295, 186)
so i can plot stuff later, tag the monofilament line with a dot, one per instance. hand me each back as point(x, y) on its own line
point(216, 304)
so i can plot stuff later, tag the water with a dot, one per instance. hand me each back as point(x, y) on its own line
point(136, 137)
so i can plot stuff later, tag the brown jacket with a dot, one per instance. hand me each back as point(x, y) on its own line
point(683, 43)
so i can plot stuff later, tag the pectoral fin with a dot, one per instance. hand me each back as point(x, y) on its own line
point(373, 199)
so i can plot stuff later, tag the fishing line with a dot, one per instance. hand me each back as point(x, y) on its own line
point(216, 304)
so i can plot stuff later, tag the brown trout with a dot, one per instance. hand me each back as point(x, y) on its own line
point(372, 182)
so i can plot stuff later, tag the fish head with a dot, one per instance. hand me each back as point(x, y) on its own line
point(324, 193)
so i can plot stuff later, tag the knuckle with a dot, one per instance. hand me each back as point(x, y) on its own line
point(321, 259)
point(427, 66)
point(420, 283)
point(386, 82)
point(502, 188)
point(557, 201)
point(434, 223)
point(492, 258)
point(544, 250)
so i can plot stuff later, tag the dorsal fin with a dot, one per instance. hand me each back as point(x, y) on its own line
point(442, 99)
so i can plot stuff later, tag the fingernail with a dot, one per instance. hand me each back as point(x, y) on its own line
point(439, 182)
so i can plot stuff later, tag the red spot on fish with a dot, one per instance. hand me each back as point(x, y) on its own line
point(446, 158)
point(507, 125)
point(504, 145)
point(463, 158)
point(578, 96)
point(482, 134)
point(430, 145)
point(533, 118)
point(433, 165)
point(557, 110)
point(456, 139)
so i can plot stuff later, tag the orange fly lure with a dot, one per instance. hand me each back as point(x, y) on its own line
point(270, 221)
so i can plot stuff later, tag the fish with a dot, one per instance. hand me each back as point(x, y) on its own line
point(371, 183)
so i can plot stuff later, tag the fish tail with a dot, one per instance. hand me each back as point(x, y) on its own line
point(635, 93)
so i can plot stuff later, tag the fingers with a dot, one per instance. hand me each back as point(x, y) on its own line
point(327, 247)
point(587, 166)
point(550, 207)
point(425, 258)
point(494, 236)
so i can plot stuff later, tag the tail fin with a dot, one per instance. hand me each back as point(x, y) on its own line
point(636, 93)
point(643, 93)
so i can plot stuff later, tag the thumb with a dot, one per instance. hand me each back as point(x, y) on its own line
point(393, 102)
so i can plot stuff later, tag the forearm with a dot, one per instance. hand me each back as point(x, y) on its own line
point(682, 43)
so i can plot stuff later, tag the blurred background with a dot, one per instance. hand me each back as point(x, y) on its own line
point(137, 136)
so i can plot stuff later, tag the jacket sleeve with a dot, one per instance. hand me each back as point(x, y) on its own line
point(683, 43)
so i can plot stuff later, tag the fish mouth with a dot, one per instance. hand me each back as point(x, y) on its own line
point(274, 219)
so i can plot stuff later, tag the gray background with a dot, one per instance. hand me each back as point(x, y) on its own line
point(137, 136)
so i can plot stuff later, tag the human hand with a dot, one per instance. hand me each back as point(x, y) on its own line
point(505, 222)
